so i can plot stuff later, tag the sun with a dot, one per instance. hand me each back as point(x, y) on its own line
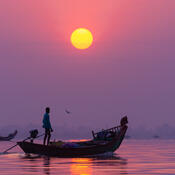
point(81, 38)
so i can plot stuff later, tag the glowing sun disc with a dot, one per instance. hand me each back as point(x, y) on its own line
point(81, 38)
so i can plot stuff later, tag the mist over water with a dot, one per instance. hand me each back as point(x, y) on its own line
point(164, 131)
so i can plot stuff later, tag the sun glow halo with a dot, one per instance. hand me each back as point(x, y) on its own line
point(81, 38)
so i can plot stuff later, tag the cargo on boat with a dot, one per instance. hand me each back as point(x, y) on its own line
point(103, 142)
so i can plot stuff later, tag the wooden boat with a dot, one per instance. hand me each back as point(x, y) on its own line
point(9, 137)
point(103, 142)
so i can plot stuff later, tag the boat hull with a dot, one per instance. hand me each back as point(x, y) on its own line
point(90, 150)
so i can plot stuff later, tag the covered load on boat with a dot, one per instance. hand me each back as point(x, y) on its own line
point(104, 141)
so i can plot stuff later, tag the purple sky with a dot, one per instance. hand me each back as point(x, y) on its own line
point(129, 70)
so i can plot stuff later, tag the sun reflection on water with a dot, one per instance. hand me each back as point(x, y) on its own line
point(81, 166)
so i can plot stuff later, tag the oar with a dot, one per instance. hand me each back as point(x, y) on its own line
point(22, 141)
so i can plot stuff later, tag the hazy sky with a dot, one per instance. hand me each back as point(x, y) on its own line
point(129, 70)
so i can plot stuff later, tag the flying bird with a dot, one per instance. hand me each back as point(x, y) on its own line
point(68, 112)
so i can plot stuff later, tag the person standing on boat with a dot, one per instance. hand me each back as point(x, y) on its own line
point(47, 126)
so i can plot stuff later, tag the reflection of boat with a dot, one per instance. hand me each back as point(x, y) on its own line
point(47, 165)
point(9, 137)
point(104, 141)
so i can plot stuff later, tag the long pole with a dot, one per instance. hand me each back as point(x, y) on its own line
point(15, 145)
point(22, 141)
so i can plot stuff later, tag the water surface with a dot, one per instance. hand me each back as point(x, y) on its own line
point(133, 157)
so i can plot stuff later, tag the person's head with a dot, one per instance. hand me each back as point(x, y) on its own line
point(124, 121)
point(47, 110)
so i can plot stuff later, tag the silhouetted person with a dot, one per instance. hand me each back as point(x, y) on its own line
point(47, 126)
point(124, 121)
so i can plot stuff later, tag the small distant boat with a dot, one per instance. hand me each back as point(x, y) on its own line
point(127, 136)
point(9, 137)
point(103, 142)
point(156, 137)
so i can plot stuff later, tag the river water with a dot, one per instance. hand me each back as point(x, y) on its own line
point(133, 157)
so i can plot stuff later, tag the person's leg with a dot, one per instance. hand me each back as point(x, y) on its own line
point(48, 138)
point(45, 137)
